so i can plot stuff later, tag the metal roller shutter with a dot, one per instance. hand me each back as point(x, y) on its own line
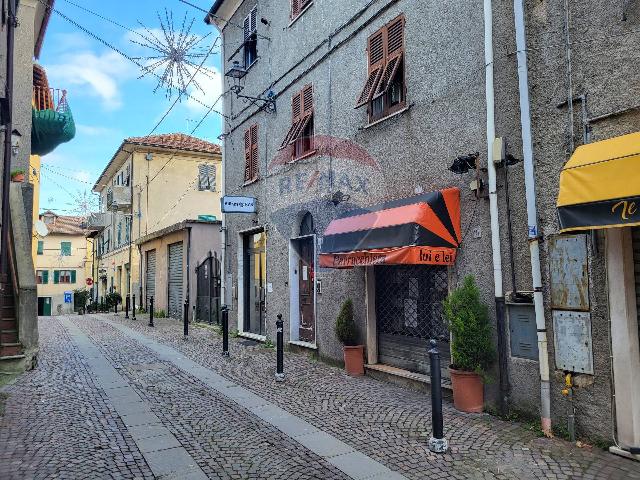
point(635, 232)
point(150, 276)
point(175, 280)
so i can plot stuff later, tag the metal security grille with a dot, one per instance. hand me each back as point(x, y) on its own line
point(150, 276)
point(208, 289)
point(409, 312)
point(176, 273)
point(635, 232)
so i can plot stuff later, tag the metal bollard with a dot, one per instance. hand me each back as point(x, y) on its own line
point(133, 307)
point(101, 304)
point(126, 306)
point(185, 318)
point(437, 442)
point(279, 349)
point(151, 313)
point(225, 331)
point(115, 306)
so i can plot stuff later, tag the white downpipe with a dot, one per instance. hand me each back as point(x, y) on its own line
point(491, 136)
point(532, 216)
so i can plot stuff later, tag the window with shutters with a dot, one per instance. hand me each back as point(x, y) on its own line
point(40, 247)
point(65, 249)
point(250, 37)
point(42, 277)
point(251, 154)
point(206, 177)
point(384, 91)
point(299, 138)
point(64, 276)
point(298, 7)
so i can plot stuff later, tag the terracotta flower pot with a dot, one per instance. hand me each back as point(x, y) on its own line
point(18, 178)
point(468, 392)
point(354, 360)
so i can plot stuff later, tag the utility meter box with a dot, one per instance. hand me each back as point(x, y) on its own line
point(572, 341)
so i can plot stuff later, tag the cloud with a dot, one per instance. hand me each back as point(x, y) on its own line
point(97, 75)
point(83, 176)
point(210, 83)
point(93, 131)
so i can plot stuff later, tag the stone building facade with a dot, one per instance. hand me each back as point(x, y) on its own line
point(309, 63)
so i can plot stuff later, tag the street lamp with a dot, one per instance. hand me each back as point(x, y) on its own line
point(16, 138)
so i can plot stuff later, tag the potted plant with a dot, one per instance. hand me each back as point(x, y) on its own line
point(348, 335)
point(17, 175)
point(472, 349)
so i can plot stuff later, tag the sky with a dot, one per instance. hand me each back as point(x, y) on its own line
point(108, 100)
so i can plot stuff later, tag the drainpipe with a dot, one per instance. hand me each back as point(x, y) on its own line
point(532, 216)
point(493, 204)
point(6, 173)
point(188, 265)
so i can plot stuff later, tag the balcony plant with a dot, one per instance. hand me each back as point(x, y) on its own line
point(17, 175)
point(347, 334)
point(472, 350)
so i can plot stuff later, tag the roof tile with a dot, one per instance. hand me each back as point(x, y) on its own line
point(176, 140)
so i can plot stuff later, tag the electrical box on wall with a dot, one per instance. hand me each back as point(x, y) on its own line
point(572, 341)
point(522, 331)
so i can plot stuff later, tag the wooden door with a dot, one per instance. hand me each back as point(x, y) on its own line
point(306, 273)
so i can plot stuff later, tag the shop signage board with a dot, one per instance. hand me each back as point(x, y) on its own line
point(237, 204)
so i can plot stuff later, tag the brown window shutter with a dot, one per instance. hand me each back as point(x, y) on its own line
point(376, 60)
point(247, 155)
point(295, 8)
point(296, 119)
point(394, 50)
point(254, 152)
point(307, 99)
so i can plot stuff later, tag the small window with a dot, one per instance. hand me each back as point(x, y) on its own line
point(300, 135)
point(207, 177)
point(42, 277)
point(64, 276)
point(65, 249)
point(251, 154)
point(127, 229)
point(251, 37)
point(47, 219)
point(298, 6)
point(384, 91)
point(40, 247)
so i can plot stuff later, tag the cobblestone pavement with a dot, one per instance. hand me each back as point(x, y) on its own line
point(59, 422)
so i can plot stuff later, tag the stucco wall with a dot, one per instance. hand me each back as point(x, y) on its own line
point(445, 89)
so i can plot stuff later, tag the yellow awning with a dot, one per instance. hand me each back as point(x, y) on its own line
point(600, 185)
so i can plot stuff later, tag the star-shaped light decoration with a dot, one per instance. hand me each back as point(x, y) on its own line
point(174, 55)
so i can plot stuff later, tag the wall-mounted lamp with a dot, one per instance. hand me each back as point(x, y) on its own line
point(16, 138)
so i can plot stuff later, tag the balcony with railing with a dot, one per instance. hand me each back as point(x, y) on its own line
point(119, 198)
point(52, 121)
point(97, 221)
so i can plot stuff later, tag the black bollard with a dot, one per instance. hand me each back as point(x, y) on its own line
point(151, 313)
point(437, 442)
point(115, 306)
point(101, 304)
point(279, 349)
point(133, 307)
point(126, 307)
point(225, 331)
point(185, 318)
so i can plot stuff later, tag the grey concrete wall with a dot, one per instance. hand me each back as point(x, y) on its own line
point(445, 89)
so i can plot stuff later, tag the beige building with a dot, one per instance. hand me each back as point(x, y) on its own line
point(151, 183)
point(62, 259)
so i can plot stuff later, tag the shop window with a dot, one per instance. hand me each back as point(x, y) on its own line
point(384, 91)
point(250, 38)
point(300, 135)
point(65, 249)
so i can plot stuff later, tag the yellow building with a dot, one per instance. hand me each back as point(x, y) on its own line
point(150, 183)
point(61, 262)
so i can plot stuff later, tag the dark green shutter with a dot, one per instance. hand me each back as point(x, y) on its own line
point(65, 248)
point(73, 276)
point(40, 247)
point(56, 276)
point(45, 276)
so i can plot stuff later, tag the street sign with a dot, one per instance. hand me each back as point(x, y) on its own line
point(67, 297)
point(235, 204)
point(89, 281)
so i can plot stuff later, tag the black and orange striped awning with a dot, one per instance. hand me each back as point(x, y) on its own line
point(419, 230)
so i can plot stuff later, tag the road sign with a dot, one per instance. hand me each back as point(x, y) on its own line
point(89, 281)
point(67, 297)
point(235, 204)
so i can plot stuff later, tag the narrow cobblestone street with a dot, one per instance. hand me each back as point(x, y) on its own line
point(113, 398)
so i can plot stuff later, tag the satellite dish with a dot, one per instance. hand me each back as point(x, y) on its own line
point(41, 228)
